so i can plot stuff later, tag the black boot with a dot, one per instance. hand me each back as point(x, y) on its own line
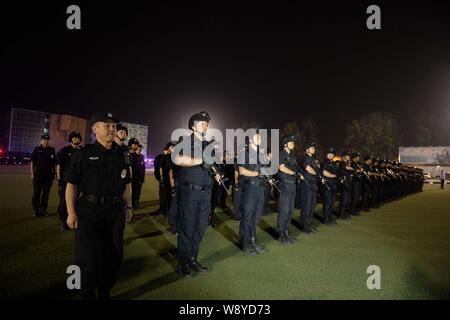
point(282, 238)
point(196, 266)
point(257, 248)
point(289, 237)
point(184, 270)
point(248, 248)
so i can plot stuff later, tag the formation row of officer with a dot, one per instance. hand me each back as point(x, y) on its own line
point(190, 189)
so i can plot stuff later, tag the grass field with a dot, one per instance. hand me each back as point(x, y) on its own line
point(408, 239)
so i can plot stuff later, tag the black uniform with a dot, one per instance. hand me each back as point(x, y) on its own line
point(194, 205)
point(329, 195)
point(252, 201)
point(288, 187)
point(136, 177)
point(237, 195)
point(101, 176)
point(173, 216)
point(345, 189)
point(366, 188)
point(44, 161)
point(163, 164)
point(308, 189)
point(356, 189)
point(63, 160)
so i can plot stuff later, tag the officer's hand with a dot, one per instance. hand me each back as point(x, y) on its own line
point(128, 215)
point(217, 177)
point(72, 221)
point(173, 191)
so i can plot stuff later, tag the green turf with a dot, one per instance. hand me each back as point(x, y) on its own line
point(409, 239)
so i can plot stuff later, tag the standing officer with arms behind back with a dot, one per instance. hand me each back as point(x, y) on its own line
point(98, 197)
point(62, 163)
point(43, 160)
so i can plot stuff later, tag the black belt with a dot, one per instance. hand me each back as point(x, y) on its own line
point(287, 181)
point(102, 199)
point(197, 187)
point(256, 183)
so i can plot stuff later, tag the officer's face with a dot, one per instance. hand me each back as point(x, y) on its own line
point(312, 150)
point(122, 134)
point(201, 126)
point(330, 156)
point(171, 149)
point(45, 143)
point(257, 139)
point(291, 145)
point(104, 131)
point(76, 141)
point(134, 146)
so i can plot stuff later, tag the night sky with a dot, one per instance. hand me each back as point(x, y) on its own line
point(267, 63)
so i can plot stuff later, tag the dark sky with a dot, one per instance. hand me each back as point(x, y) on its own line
point(267, 62)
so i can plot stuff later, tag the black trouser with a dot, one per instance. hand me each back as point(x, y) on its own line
point(237, 201)
point(173, 216)
point(252, 206)
point(442, 183)
point(328, 198)
point(266, 200)
point(194, 208)
point(344, 198)
point(136, 186)
point(41, 190)
point(62, 207)
point(286, 202)
point(366, 189)
point(222, 194)
point(355, 196)
point(164, 198)
point(99, 243)
point(298, 196)
point(376, 188)
point(308, 191)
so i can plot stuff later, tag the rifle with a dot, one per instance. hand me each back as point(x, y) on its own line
point(213, 171)
point(272, 181)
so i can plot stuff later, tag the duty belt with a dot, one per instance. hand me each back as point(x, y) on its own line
point(287, 181)
point(197, 187)
point(99, 200)
point(256, 183)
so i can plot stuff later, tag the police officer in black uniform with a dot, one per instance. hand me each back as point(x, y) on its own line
point(345, 173)
point(253, 177)
point(357, 180)
point(98, 197)
point(237, 192)
point(194, 194)
point(121, 135)
point(330, 173)
point(62, 163)
point(367, 183)
point(163, 164)
point(308, 187)
point(43, 161)
point(136, 172)
point(287, 176)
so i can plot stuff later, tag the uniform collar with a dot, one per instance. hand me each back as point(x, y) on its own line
point(102, 148)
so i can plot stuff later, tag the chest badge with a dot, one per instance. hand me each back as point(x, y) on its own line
point(123, 174)
point(51, 156)
point(94, 158)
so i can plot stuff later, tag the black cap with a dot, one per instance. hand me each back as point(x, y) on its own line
point(309, 145)
point(45, 137)
point(201, 116)
point(168, 145)
point(74, 134)
point(345, 153)
point(368, 157)
point(287, 139)
point(332, 150)
point(133, 141)
point(103, 117)
point(120, 126)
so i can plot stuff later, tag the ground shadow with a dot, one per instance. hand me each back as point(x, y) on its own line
point(227, 232)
